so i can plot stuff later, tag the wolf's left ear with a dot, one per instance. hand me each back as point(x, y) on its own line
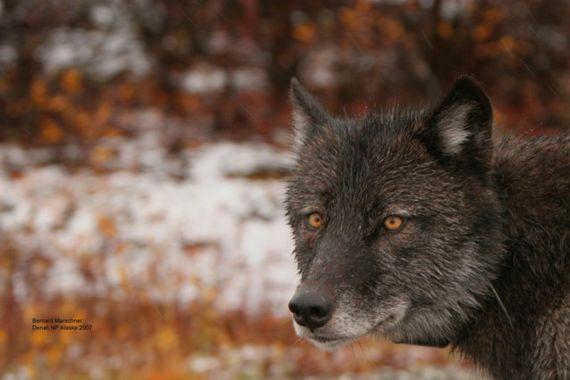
point(459, 129)
point(308, 114)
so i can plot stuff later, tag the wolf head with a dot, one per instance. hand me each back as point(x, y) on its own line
point(395, 219)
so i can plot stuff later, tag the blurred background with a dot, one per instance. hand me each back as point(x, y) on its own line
point(143, 151)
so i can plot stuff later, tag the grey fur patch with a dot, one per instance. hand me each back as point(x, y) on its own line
point(302, 123)
point(453, 128)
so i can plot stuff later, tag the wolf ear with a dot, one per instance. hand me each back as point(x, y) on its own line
point(459, 129)
point(308, 114)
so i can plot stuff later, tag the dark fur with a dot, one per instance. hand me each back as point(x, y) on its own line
point(484, 224)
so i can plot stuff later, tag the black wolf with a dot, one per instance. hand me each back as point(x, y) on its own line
point(414, 226)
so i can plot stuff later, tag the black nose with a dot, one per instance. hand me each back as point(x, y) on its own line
point(311, 309)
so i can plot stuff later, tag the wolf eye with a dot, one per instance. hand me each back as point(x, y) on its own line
point(315, 220)
point(393, 223)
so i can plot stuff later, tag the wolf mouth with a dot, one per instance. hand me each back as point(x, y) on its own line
point(327, 343)
point(326, 339)
point(338, 340)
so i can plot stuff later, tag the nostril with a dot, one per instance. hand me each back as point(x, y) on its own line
point(293, 307)
point(297, 315)
point(299, 319)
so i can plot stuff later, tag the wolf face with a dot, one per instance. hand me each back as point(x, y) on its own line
point(396, 223)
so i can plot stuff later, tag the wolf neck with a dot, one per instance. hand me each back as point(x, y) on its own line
point(533, 281)
point(488, 337)
point(501, 336)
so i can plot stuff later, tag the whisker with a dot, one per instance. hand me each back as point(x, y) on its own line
point(502, 305)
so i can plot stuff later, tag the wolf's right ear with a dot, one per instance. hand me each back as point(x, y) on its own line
point(308, 114)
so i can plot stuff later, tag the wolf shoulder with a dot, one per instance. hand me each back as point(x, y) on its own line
point(533, 178)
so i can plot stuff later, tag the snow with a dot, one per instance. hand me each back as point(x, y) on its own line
point(101, 54)
point(170, 239)
point(233, 160)
point(204, 79)
point(250, 79)
point(253, 361)
point(113, 47)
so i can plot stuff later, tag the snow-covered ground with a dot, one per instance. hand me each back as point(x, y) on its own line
point(248, 361)
point(208, 229)
point(204, 224)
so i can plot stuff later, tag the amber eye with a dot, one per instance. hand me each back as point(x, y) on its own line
point(393, 223)
point(315, 220)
